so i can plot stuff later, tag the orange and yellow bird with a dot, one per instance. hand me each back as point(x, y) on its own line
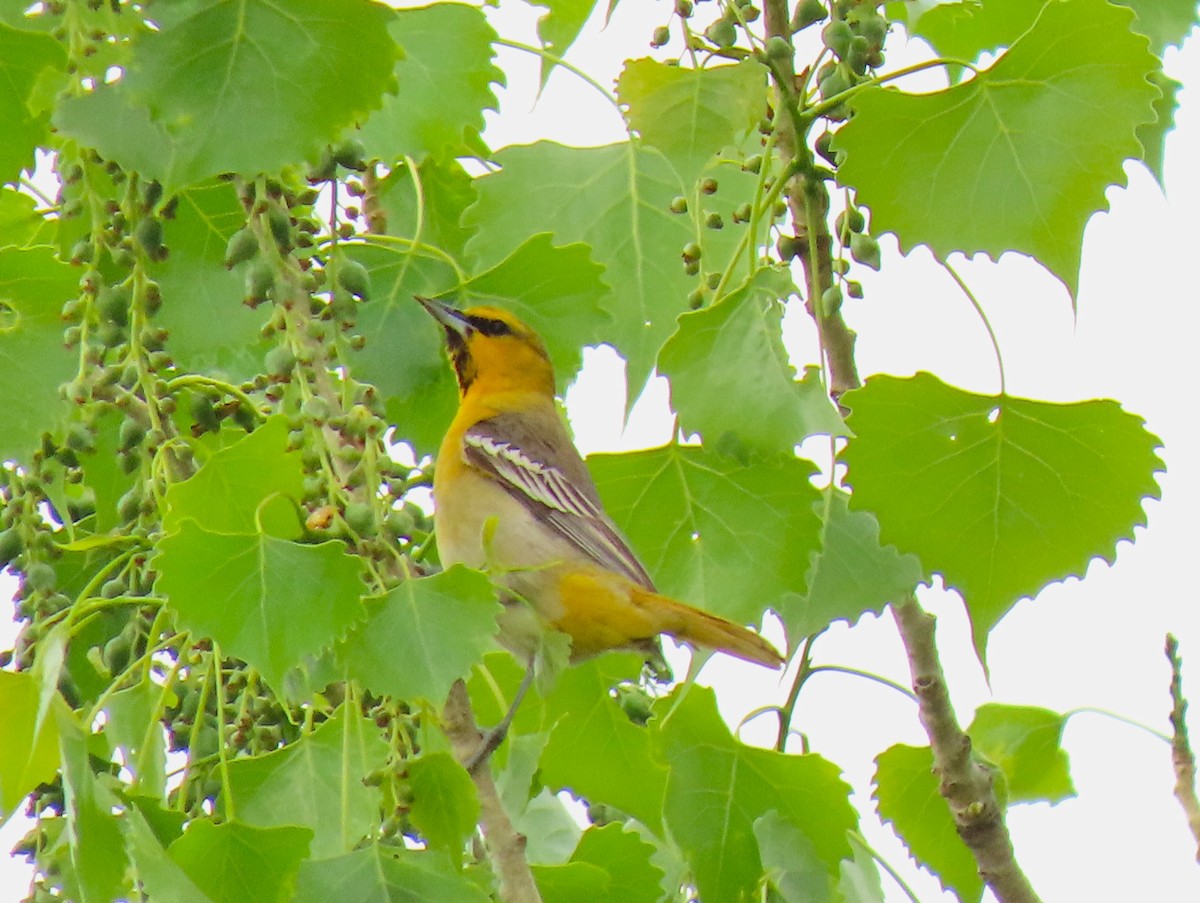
point(512, 495)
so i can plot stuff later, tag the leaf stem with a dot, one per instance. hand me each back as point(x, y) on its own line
point(987, 324)
point(887, 867)
point(803, 672)
point(1093, 710)
point(868, 675)
point(188, 380)
point(559, 61)
point(222, 755)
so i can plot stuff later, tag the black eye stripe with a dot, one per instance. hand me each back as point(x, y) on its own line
point(490, 327)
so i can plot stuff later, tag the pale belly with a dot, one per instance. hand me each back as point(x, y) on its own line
point(481, 526)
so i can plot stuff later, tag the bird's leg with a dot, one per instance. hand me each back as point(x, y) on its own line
point(495, 736)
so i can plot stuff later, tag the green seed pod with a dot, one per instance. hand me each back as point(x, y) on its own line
point(242, 246)
point(778, 48)
point(260, 279)
point(824, 147)
point(351, 154)
point(130, 434)
point(865, 250)
point(691, 252)
point(661, 36)
point(788, 246)
point(837, 36)
point(831, 300)
point(753, 164)
point(10, 546)
point(280, 362)
point(361, 518)
point(835, 83)
point(808, 13)
point(353, 277)
point(129, 506)
point(204, 413)
point(723, 33)
point(82, 252)
point(679, 204)
point(714, 221)
point(281, 227)
point(149, 234)
point(708, 185)
point(854, 289)
point(851, 219)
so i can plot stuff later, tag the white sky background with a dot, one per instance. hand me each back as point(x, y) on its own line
point(1079, 644)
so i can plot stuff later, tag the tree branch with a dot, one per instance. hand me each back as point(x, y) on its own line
point(808, 201)
point(1182, 757)
point(964, 782)
point(505, 846)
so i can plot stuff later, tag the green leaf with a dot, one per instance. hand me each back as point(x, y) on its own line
point(267, 601)
point(226, 494)
point(233, 862)
point(157, 873)
point(790, 861)
point(561, 25)
point(24, 57)
point(907, 797)
point(435, 216)
point(616, 199)
point(445, 805)
point(966, 29)
point(860, 882)
point(1165, 22)
point(1025, 743)
point(1000, 495)
point(571, 882)
point(29, 756)
point(718, 788)
point(97, 850)
point(20, 223)
point(1153, 135)
point(445, 78)
point(733, 406)
point(594, 750)
point(316, 783)
point(423, 635)
point(556, 290)
point(1019, 157)
point(851, 574)
point(192, 86)
point(212, 332)
point(690, 114)
point(33, 361)
point(626, 859)
point(404, 355)
point(103, 473)
point(703, 524)
point(378, 874)
point(551, 831)
point(132, 726)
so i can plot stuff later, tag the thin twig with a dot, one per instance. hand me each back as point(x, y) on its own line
point(964, 782)
point(505, 846)
point(1182, 757)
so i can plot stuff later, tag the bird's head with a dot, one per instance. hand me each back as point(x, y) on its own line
point(490, 347)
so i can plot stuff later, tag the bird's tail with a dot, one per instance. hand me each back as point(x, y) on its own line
point(691, 625)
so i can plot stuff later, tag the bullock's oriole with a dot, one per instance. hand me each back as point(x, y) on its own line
point(511, 493)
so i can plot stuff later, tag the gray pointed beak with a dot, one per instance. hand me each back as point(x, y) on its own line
point(451, 319)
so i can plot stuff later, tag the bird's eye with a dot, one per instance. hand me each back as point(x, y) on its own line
point(489, 326)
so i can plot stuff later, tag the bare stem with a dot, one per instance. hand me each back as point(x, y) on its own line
point(964, 782)
point(505, 846)
point(1182, 757)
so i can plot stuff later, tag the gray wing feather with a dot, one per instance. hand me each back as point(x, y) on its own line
point(550, 479)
